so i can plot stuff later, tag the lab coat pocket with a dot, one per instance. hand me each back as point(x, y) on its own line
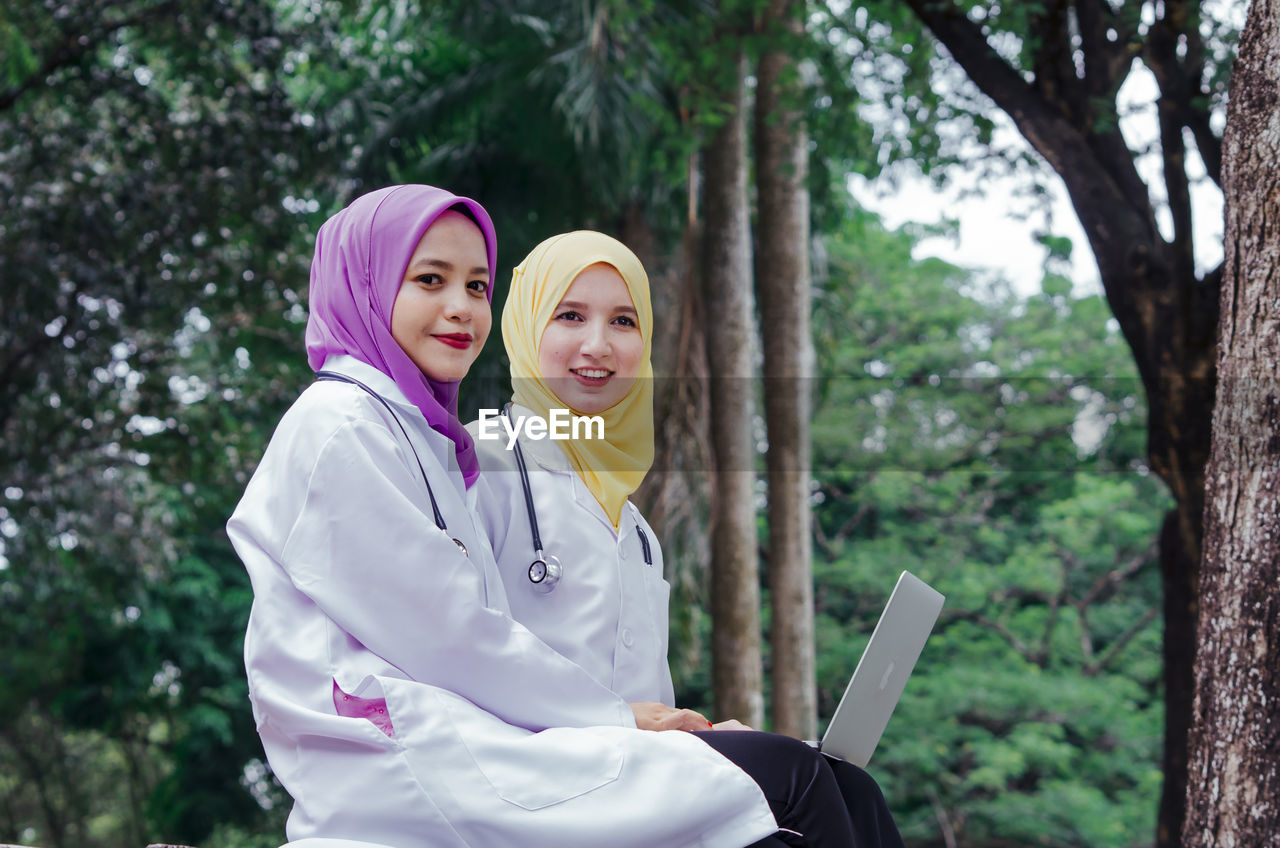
point(658, 595)
point(534, 770)
point(364, 710)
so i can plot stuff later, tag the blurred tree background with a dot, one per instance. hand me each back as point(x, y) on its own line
point(163, 168)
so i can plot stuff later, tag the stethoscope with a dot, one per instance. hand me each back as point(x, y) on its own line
point(435, 509)
point(545, 571)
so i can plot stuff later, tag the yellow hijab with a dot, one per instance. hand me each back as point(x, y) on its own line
point(612, 467)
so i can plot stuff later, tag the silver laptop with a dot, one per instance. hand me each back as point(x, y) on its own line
point(878, 681)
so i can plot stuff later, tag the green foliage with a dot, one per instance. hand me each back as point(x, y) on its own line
point(148, 167)
point(920, 112)
point(19, 60)
point(992, 447)
point(557, 115)
point(544, 111)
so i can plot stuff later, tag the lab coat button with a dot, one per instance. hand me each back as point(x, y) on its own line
point(627, 638)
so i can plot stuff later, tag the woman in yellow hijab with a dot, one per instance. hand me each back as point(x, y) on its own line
point(581, 567)
point(578, 328)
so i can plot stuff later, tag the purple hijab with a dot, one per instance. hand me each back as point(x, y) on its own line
point(361, 256)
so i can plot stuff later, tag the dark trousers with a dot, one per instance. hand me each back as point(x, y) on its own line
point(818, 802)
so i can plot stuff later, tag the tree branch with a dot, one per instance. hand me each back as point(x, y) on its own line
point(1104, 587)
point(1179, 79)
point(1114, 649)
point(1055, 608)
point(1177, 186)
point(1196, 117)
point(852, 522)
point(1093, 162)
point(1207, 143)
point(54, 818)
point(1055, 68)
point(1107, 61)
point(75, 45)
point(944, 821)
point(952, 616)
point(970, 49)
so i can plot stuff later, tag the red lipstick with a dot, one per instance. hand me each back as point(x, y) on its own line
point(458, 341)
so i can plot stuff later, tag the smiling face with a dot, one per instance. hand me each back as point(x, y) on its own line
point(591, 350)
point(441, 315)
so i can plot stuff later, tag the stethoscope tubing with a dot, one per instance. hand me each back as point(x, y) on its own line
point(528, 491)
point(546, 583)
point(545, 571)
point(435, 508)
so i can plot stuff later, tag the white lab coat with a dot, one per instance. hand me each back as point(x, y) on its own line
point(609, 611)
point(498, 740)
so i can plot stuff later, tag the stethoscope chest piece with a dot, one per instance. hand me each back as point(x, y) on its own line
point(544, 573)
point(461, 547)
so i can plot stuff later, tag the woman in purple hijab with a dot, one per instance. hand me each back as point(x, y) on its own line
point(356, 276)
point(398, 702)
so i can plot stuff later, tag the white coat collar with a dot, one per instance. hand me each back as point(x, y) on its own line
point(441, 445)
point(548, 455)
point(349, 366)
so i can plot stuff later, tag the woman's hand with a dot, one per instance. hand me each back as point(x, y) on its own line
point(654, 716)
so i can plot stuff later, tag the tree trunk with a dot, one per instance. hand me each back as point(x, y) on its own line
point(1233, 796)
point(783, 272)
point(736, 668)
point(1178, 575)
point(674, 494)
